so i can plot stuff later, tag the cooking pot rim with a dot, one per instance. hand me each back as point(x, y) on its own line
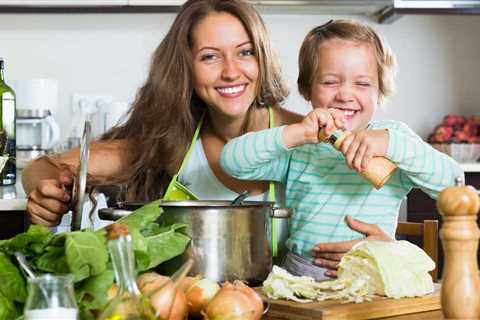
point(217, 204)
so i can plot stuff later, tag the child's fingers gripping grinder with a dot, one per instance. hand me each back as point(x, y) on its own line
point(379, 169)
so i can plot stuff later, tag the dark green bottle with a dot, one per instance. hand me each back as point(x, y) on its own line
point(7, 131)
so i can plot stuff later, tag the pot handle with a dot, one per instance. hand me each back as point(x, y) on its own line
point(281, 213)
point(112, 214)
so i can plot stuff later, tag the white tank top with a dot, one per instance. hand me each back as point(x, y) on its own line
point(198, 177)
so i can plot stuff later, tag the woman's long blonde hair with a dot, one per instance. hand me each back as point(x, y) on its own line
point(166, 110)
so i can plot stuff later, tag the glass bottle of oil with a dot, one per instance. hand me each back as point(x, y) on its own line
point(7, 131)
point(128, 303)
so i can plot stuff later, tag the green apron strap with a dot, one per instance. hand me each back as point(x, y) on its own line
point(185, 159)
point(271, 193)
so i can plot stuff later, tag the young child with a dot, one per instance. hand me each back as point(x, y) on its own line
point(345, 71)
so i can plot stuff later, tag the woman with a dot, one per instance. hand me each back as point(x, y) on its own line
point(215, 73)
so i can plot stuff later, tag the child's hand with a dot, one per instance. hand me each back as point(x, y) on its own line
point(360, 147)
point(307, 131)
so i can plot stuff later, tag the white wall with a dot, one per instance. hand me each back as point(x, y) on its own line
point(438, 56)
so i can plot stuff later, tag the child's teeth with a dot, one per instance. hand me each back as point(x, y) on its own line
point(349, 112)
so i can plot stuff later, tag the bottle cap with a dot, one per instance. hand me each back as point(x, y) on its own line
point(1, 63)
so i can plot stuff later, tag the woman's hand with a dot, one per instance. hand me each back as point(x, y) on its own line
point(307, 130)
point(360, 147)
point(328, 255)
point(50, 199)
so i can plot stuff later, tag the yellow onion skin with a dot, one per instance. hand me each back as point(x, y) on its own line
point(253, 296)
point(161, 291)
point(200, 294)
point(229, 303)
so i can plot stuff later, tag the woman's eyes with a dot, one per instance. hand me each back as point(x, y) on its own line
point(208, 57)
point(247, 52)
point(211, 57)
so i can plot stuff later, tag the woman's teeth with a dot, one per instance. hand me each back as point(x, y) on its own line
point(232, 90)
point(348, 113)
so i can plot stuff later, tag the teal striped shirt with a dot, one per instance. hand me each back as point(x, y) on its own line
point(323, 190)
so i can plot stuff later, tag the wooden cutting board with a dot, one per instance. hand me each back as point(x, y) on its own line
point(380, 307)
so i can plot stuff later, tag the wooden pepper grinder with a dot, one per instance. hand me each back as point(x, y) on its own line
point(379, 170)
point(460, 295)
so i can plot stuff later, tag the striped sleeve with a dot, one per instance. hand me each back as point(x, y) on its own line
point(257, 156)
point(424, 167)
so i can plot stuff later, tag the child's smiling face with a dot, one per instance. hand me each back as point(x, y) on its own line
point(347, 80)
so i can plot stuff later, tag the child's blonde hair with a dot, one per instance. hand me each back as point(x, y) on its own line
point(308, 60)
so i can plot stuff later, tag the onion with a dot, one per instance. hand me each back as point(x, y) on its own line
point(253, 296)
point(168, 301)
point(200, 294)
point(112, 292)
point(188, 282)
point(230, 303)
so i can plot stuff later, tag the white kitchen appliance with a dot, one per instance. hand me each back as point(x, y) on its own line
point(37, 131)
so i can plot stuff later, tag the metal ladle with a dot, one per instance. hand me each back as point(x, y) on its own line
point(239, 199)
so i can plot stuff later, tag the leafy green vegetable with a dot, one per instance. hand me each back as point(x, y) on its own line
point(30, 243)
point(391, 268)
point(12, 285)
point(143, 216)
point(53, 260)
point(165, 246)
point(91, 293)
point(7, 308)
point(396, 268)
point(84, 254)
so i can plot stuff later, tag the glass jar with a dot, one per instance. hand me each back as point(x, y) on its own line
point(50, 297)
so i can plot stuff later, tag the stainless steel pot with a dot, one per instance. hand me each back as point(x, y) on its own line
point(228, 242)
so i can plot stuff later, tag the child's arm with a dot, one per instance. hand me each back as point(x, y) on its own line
point(422, 165)
point(265, 155)
point(256, 156)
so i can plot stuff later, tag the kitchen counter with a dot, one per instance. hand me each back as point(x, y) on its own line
point(13, 198)
point(13, 203)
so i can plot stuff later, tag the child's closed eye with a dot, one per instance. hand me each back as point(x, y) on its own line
point(363, 84)
point(329, 82)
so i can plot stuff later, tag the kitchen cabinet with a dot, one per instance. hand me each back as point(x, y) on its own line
point(63, 3)
point(421, 207)
point(156, 2)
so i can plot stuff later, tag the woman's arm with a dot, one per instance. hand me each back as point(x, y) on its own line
point(46, 180)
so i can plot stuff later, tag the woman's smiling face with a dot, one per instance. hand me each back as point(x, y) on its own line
point(347, 80)
point(225, 68)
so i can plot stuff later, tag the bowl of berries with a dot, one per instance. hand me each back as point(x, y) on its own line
point(458, 136)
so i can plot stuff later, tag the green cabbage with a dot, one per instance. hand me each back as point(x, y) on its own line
point(394, 269)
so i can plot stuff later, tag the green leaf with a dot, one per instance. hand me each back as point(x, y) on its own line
point(140, 218)
point(86, 254)
point(140, 248)
point(12, 284)
point(7, 308)
point(53, 260)
point(30, 243)
point(91, 293)
point(165, 246)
